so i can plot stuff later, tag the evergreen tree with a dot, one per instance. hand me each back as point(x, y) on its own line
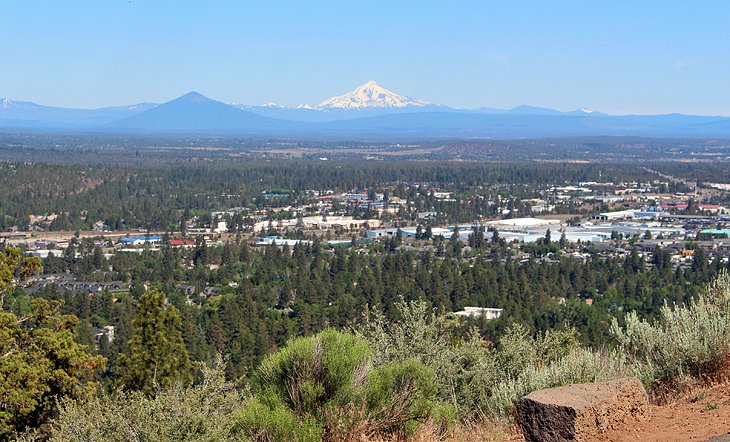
point(98, 259)
point(156, 356)
point(41, 365)
point(14, 267)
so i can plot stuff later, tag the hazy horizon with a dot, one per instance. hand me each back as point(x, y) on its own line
point(264, 104)
point(619, 58)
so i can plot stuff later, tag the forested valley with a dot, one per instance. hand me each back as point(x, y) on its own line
point(161, 197)
point(192, 334)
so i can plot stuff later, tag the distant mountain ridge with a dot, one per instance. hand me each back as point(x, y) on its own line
point(368, 111)
point(27, 114)
point(194, 112)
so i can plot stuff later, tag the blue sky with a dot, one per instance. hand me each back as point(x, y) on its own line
point(614, 56)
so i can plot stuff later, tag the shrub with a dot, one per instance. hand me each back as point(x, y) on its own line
point(578, 366)
point(463, 371)
point(200, 413)
point(418, 334)
point(311, 372)
point(481, 382)
point(518, 350)
point(260, 422)
point(551, 359)
point(398, 393)
point(327, 384)
point(689, 342)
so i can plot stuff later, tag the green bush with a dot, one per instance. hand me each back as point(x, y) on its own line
point(326, 383)
point(689, 342)
point(398, 393)
point(444, 418)
point(260, 422)
point(200, 413)
point(310, 373)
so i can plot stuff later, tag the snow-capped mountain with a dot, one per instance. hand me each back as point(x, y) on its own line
point(370, 99)
point(370, 95)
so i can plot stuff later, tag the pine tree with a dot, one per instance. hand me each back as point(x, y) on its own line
point(156, 356)
point(98, 259)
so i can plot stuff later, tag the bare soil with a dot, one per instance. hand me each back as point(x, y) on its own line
point(696, 416)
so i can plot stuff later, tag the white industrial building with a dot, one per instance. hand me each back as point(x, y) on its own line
point(487, 313)
point(321, 223)
point(521, 223)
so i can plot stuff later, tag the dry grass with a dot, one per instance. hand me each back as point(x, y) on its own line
point(474, 432)
point(665, 393)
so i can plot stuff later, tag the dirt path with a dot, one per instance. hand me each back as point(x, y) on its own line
point(695, 417)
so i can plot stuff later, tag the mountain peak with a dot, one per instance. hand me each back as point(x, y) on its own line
point(193, 96)
point(195, 112)
point(370, 95)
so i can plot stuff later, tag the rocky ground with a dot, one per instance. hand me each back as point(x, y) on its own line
point(702, 415)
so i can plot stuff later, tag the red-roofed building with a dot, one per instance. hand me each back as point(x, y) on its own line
point(180, 243)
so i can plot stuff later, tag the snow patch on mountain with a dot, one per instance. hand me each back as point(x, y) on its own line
point(141, 106)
